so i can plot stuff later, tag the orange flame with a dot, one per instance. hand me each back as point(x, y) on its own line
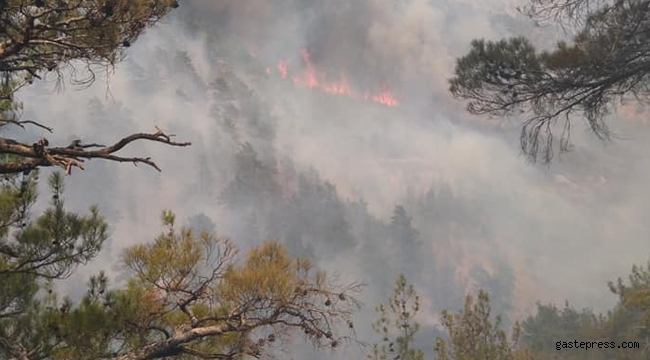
point(282, 68)
point(385, 97)
point(340, 87)
point(314, 80)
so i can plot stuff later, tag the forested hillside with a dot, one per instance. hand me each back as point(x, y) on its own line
point(306, 186)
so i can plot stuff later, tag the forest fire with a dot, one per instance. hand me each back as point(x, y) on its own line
point(313, 79)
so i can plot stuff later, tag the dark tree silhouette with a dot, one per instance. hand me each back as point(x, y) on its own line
point(607, 63)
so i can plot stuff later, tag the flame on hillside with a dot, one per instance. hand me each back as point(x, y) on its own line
point(313, 79)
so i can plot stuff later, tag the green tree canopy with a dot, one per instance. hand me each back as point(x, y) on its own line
point(189, 296)
point(604, 65)
point(71, 38)
point(631, 318)
point(474, 335)
point(397, 326)
point(628, 321)
point(33, 253)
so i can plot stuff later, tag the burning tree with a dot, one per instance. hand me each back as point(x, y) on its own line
point(311, 78)
point(53, 38)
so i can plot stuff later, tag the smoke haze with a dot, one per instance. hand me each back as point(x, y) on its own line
point(326, 173)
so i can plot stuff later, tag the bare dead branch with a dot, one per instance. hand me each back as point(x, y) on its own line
point(15, 349)
point(22, 122)
point(73, 156)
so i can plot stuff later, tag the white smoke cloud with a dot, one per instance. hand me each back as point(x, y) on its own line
point(566, 229)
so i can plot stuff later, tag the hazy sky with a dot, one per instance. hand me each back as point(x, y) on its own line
point(566, 229)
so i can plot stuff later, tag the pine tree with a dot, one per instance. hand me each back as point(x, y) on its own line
point(406, 239)
point(35, 252)
point(397, 326)
point(473, 335)
point(603, 66)
point(40, 39)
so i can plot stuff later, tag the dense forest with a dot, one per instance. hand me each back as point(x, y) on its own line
point(306, 187)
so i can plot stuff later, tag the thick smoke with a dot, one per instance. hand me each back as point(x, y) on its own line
point(402, 44)
point(368, 191)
